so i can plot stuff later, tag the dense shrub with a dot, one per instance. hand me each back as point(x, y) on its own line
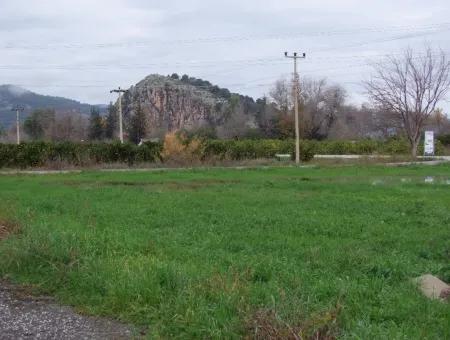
point(362, 147)
point(185, 150)
point(401, 147)
point(444, 139)
point(255, 149)
point(77, 154)
point(246, 149)
point(180, 149)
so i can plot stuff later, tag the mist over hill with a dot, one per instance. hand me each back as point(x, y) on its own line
point(11, 95)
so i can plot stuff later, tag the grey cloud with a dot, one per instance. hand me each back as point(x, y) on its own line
point(147, 37)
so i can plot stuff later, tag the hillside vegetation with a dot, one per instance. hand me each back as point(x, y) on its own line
point(11, 96)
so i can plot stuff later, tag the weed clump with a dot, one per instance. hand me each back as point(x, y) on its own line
point(8, 227)
point(267, 324)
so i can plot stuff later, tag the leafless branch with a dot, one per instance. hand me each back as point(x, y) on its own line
point(411, 86)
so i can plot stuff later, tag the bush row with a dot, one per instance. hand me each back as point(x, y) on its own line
point(79, 154)
point(82, 154)
point(253, 149)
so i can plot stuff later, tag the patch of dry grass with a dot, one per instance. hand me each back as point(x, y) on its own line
point(266, 324)
point(8, 227)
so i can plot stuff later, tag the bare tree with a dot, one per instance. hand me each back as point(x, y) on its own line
point(411, 86)
point(320, 105)
point(439, 122)
point(281, 95)
point(237, 126)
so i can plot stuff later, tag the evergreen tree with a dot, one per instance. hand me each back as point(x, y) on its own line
point(138, 125)
point(96, 128)
point(39, 122)
point(33, 128)
point(111, 122)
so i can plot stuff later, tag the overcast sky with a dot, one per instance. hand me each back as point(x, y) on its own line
point(83, 48)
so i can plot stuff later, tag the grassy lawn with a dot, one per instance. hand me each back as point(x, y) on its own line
point(227, 253)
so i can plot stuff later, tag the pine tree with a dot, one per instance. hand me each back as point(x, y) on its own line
point(39, 124)
point(111, 122)
point(138, 125)
point(96, 128)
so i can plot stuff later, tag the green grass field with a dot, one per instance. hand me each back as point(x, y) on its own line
point(327, 251)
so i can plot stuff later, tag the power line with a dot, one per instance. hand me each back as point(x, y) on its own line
point(236, 38)
point(190, 86)
point(240, 85)
point(192, 64)
point(377, 41)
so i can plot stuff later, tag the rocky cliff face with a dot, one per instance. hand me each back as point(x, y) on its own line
point(171, 104)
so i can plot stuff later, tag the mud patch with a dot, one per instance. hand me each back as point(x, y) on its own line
point(171, 185)
point(198, 184)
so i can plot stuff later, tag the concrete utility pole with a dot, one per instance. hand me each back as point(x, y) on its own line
point(295, 56)
point(120, 91)
point(18, 109)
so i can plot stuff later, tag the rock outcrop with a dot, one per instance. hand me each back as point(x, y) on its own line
point(170, 103)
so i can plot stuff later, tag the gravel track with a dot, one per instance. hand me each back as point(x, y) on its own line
point(26, 317)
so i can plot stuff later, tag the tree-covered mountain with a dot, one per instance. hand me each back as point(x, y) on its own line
point(11, 96)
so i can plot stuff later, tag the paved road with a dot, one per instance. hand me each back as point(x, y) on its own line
point(23, 317)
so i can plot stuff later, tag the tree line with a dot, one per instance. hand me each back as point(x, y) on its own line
point(404, 93)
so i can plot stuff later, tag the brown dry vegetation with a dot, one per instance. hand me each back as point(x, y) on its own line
point(445, 294)
point(178, 149)
point(8, 227)
point(268, 325)
point(169, 185)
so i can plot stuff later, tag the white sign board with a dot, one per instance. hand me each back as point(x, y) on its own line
point(429, 143)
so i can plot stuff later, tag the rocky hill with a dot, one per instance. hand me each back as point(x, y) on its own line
point(11, 95)
point(172, 103)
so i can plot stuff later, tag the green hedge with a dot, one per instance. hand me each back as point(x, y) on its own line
point(81, 154)
point(444, 139)
point(42, 153)
point(253, 149)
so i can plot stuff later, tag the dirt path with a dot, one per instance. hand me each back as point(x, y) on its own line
point(59, 172)
point(24, 317)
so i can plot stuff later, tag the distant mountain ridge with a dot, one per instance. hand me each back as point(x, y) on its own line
point(11, 95)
